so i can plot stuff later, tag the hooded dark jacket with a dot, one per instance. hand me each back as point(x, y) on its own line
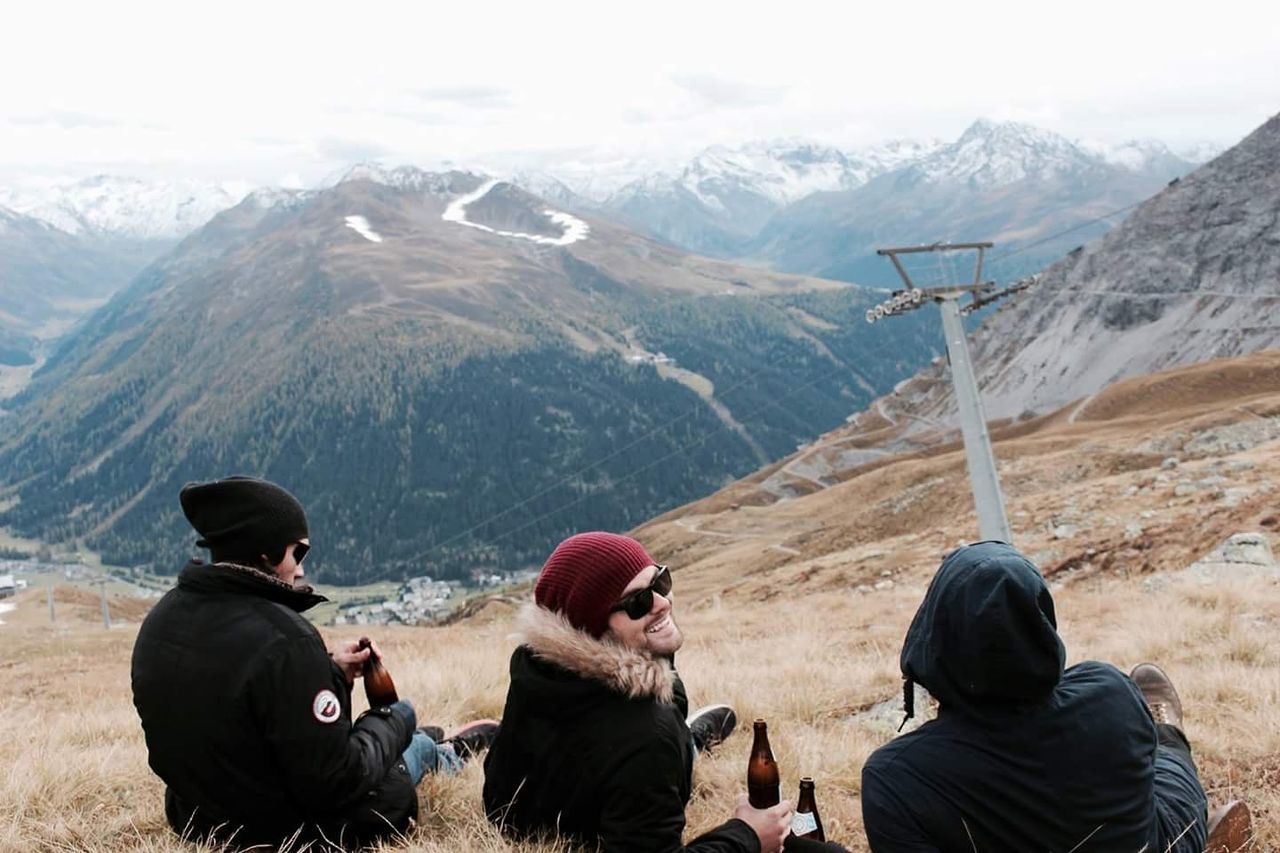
point(1023, 755)
point(594, 746)
point(248, 719)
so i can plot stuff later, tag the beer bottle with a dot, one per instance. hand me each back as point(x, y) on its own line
point(378, 686)
point(805, 821)
point(762, 771)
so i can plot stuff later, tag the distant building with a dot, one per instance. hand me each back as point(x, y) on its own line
point(7, 586)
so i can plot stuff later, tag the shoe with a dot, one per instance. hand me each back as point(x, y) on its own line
point(711, 725)
point(470, 739)
point(1159, 694)
point(1230, 828)
point(434, 732)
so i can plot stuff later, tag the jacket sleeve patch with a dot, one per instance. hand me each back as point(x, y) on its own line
point(325, 707)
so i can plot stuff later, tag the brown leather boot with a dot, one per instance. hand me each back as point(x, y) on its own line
point(1159, 694)
point(1230, 828)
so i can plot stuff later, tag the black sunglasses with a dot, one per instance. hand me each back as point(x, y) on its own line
point(638, 603)
point(300, 550)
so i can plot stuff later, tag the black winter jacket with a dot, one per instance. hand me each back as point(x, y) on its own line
point(1023, 755)
point(248, 720)
point(594, 746)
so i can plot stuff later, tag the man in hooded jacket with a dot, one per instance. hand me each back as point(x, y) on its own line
point(1024, 755)
point(246, 715)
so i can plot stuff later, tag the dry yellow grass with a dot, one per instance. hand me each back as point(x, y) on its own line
point(794, 612)
point(78, 777)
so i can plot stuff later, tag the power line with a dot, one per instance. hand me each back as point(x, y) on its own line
point(1064, 232)
point(569, 478)
point(1168, 294)
point(661, 459)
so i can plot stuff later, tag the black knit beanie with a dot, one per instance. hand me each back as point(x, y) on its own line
point(243, 517)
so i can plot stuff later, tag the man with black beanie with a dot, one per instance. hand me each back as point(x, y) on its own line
point(247, 717)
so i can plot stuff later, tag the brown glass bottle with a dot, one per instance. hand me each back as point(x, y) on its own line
point(378, 686)
point(805, 821)
point(762, 771)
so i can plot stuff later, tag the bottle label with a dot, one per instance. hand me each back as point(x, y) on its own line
point(802, 823)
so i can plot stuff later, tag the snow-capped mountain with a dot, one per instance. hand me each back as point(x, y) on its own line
point(397, 177)
point(112, 206)
point(1007, 182)
point(794, 202)
point(994, 154)
point(724, 195)
point(600, 176)
point(782, 171)
point(550, 188)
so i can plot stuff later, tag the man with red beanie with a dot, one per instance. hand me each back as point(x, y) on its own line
point(247, 717)
point(594, 742)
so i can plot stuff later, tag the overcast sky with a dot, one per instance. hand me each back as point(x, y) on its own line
point(278, 92)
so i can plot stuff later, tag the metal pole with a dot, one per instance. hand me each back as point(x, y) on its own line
point(52, 617)
point(106, 611)
point(992, 523)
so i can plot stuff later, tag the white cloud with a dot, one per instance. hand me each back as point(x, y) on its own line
point(256, 90)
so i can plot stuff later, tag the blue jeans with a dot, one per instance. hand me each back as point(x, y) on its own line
point(426, 756)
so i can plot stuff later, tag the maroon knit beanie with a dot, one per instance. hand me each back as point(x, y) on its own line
point(585, 576)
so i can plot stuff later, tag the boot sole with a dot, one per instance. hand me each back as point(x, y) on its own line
point(1230, 829)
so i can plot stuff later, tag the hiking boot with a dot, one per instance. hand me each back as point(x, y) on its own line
point(470, 739)
point(1230, 828)
point(1159, 694)
point(711, 725)
point(434, 732)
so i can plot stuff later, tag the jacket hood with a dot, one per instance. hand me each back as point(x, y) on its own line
point(986, 634)
point(233, 578)
point(634, 674)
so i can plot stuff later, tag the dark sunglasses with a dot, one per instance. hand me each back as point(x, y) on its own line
point(638, 603)
point(300, 550)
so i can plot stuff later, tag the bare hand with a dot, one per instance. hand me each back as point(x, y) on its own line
point(351, 658)
point(770, 825)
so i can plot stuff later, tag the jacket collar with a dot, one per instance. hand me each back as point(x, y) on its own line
point(233, 578)
point(632, 673)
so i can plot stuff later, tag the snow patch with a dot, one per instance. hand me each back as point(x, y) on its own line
point(574, 228)
point(5, 608)
point(360, 225)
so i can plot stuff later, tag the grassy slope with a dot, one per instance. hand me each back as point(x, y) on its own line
point(806, 641)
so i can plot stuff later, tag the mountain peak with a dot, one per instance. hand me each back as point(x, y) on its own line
point(991, 153)
point(269, 198)
point(403, 177)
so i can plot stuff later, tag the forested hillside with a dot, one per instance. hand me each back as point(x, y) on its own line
point(444, 399)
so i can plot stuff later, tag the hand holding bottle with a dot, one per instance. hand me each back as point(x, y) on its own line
point(351, 658)
point(770, 825)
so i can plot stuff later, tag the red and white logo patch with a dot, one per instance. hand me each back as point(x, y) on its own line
point(325, 707)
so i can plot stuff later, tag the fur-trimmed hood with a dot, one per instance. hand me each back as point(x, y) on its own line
point(626, 671)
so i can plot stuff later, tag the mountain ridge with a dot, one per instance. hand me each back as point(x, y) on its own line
point(422, 384)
